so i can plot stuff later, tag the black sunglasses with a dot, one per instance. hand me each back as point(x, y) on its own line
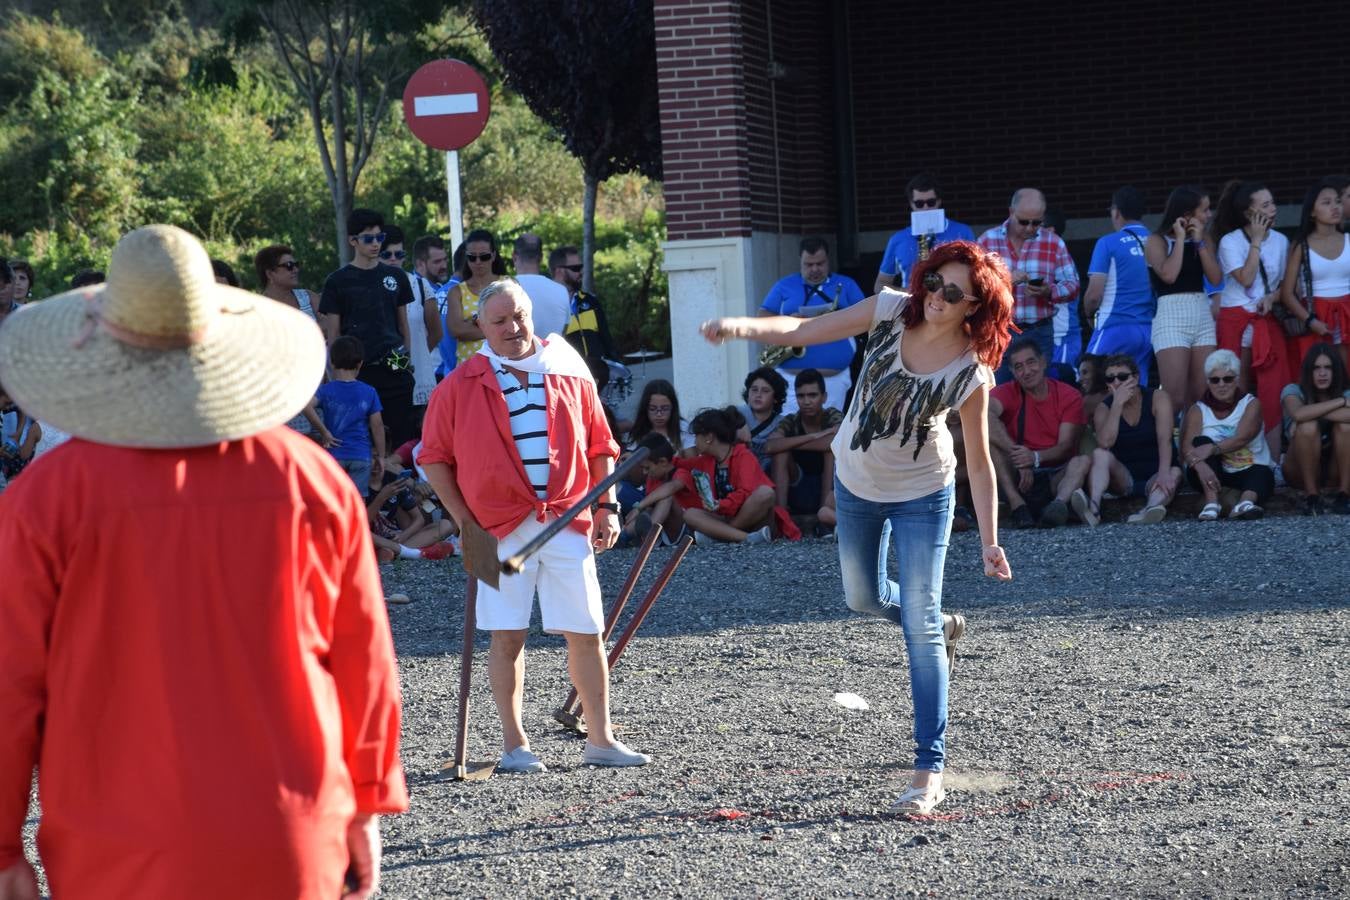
point(933, 283)
point(1222, 379)
point(1119, 376)
point(1030, 223)
point(289, 265)
point(576, 268)
point(478, 257)
point(927, 203)
point(392, 254)
point(371, 238)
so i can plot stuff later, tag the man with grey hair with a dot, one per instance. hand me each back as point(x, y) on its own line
point(1043, 273)
point(514, 437)
point(552, 305)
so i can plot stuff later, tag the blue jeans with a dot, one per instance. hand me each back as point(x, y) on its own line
point(359, 470)
point(920, 530)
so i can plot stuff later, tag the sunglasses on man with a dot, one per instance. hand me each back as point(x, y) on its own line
point(933, 284)
point(1113, 377)
point(393, 254)
point(926, 203)
point(371, 238)
point(1030, 223)
point(574, 268)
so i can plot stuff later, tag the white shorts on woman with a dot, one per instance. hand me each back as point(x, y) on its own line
point(1183, 320)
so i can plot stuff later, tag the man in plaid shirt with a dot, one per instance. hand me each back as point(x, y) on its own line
point(1043, 273)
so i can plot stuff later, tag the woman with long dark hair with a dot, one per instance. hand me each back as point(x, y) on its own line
point(928, 351)
point(482, 266)
point(658, 409)
point(1252, 256)
point(1180, 260)
point(1316, 285)
point(1317, 430)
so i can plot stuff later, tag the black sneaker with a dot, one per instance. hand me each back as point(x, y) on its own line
point(962, 520)
point(1341, 505)
point(1055, 514)
point(1312, 505)
point(1021, 518)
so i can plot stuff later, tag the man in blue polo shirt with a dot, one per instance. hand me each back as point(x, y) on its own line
point(1119, 296)
point(812, 292)
point(902, 251)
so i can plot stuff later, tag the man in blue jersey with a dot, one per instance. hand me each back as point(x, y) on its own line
point(812, 292)
point(1068, 331)
point(902, 251)
point(1119, 296)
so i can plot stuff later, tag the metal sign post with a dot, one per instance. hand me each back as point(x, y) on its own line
point(455, 206)
point(446, 105)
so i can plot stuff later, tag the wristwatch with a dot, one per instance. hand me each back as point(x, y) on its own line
point(612, 507)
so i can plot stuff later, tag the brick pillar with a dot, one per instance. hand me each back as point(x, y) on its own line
point(707, 191)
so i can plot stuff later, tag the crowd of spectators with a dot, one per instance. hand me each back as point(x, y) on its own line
point(1206, 354)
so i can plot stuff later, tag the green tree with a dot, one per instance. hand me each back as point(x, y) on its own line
point(347, 61)
point(588, 69)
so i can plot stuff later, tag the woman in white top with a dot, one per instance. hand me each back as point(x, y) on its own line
point(1252, 257)
point(1224, 445)
point(894, 464)
point(279, 277)
point(1316, 285)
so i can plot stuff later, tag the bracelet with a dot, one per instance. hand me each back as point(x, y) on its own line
point(1035, 459)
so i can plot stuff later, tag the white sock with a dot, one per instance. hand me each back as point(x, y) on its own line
point(408, 553)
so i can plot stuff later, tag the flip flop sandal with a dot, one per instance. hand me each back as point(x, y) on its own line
point(1211, 512)
point(953, 629)
point(1246, 509)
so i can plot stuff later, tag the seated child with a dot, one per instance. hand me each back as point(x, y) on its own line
point(659, 469)
point(21, 434)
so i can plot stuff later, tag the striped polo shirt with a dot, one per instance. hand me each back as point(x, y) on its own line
point(529, 424)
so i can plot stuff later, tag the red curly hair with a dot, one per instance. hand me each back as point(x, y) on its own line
point(990, 282)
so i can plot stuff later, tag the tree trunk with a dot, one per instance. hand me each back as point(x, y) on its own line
point(588, 234)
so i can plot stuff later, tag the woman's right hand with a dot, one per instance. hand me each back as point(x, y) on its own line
point(719, 331)
point(1260, 226)
point(996, 563)
point(1179, 229)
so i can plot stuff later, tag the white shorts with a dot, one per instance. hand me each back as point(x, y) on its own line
point(1183, 320)
point(836, 390)
point(564, 573)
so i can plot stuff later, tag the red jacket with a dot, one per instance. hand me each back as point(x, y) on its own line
point(746, 475)
point(195, 652)
point(467, 428)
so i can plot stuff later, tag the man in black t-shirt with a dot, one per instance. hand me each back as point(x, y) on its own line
point(368, 300)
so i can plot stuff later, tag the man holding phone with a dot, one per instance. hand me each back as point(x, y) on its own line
point(1043, 273)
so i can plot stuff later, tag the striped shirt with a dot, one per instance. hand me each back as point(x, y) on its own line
point(528, 412)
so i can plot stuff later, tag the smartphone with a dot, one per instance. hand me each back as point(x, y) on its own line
point(1035, 282)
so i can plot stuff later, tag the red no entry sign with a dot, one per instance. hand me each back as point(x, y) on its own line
point(446, 104)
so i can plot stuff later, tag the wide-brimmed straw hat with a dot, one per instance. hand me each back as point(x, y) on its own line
point(160, 355)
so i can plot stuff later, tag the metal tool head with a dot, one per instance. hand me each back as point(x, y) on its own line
point(573, 722)
point(471, 771)
point(480, 554)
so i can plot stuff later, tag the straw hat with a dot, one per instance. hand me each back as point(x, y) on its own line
point(160, 355)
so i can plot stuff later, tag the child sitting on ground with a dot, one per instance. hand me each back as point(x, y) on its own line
point(656, 507)
point(351, 420)
point(21, 434)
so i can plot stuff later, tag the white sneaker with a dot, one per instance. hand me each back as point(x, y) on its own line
point(762, 536)
point(521, 761)
point(617, 756)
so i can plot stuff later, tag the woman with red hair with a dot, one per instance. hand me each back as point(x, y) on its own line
point(928, 351)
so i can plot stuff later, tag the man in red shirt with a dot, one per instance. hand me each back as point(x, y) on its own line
point(1035, 425)
point(513, 438)
point(194, 650)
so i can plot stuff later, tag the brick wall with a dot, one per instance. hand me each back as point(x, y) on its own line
point(1087, 97)
point(707, 179)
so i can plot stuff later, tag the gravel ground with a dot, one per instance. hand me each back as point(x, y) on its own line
point(1117, 724)
point(1120, 726)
